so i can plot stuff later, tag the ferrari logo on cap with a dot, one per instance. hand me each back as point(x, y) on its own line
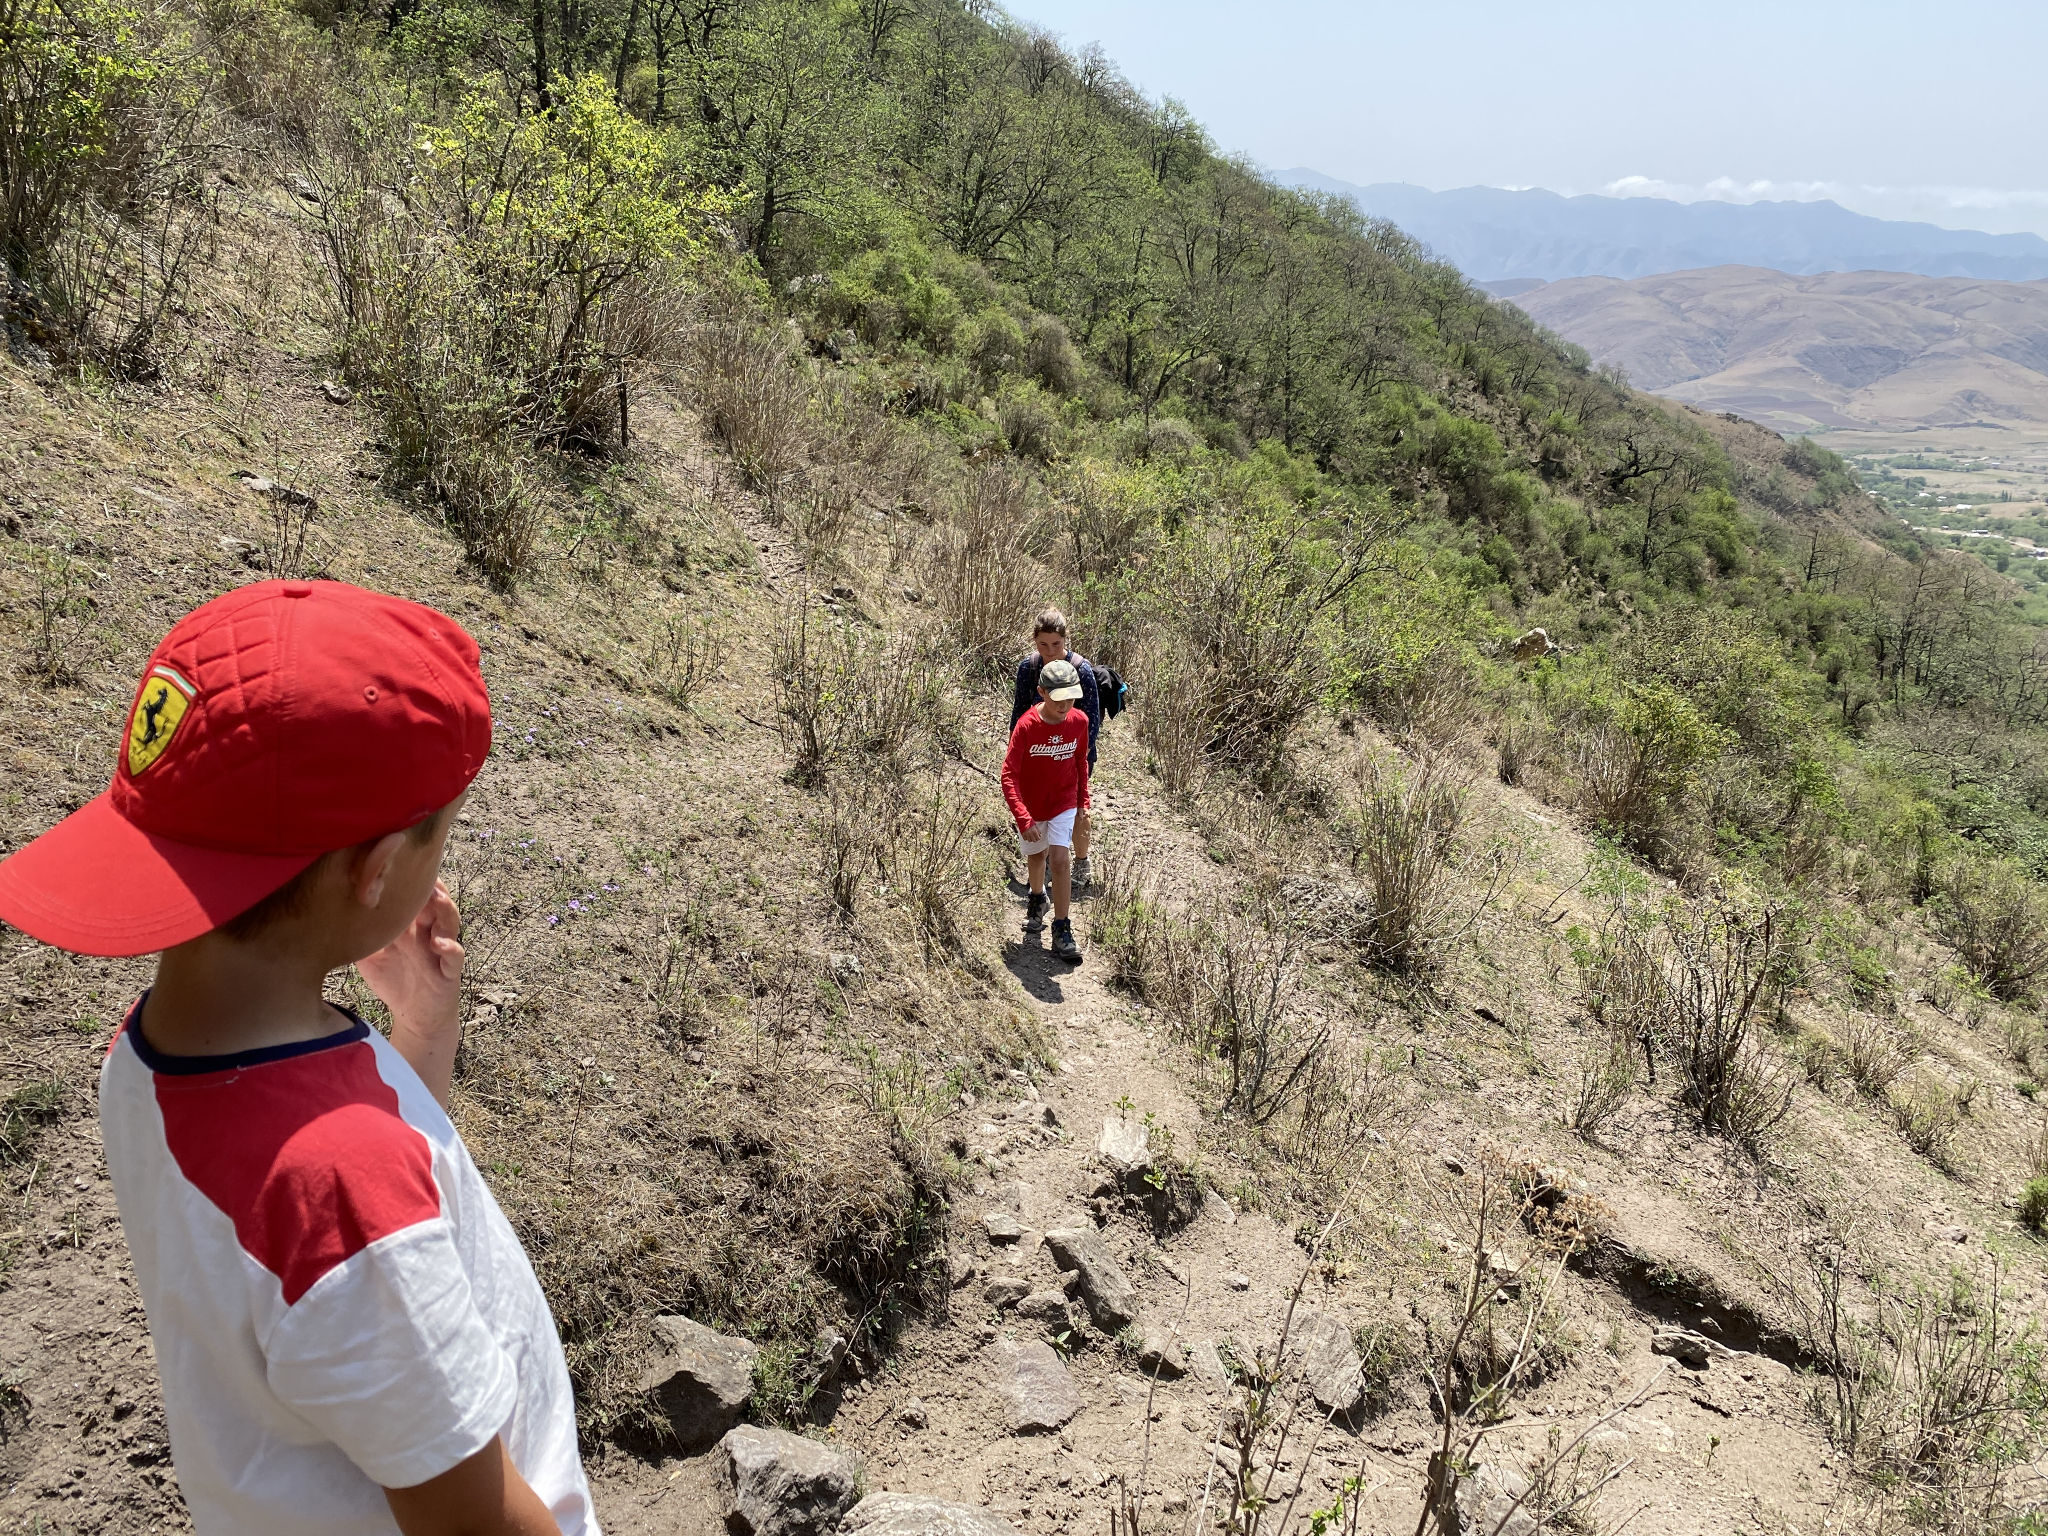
point(159, 708)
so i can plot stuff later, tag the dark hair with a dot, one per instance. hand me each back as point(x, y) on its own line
point(1050, 622)
point(289, 899)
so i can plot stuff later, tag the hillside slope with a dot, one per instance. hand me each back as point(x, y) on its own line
point(1840, 350)
point(1621, 1039)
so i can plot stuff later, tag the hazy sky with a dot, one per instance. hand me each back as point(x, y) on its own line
point(1931, 110)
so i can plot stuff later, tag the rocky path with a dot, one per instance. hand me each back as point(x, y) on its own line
point(1081, 1357)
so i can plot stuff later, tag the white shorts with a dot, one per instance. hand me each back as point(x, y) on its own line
point(1057, 833)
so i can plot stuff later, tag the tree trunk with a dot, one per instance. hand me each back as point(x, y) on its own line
point(540, 55)
point(625, 52)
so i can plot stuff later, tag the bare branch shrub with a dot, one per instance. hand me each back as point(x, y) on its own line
point(1875, 1053)
point(855, 838)
point(1724, 979)
point(1996, 920)
point(842, 691)
point(683, 656)
point(1348, 1097)
point(60, 609)
point(984, 580)
point(1934, 1389)
point(1928, 1113)
point(1251, 1020)
point(1604, 1075)
point(1177, 708)
point(1407, 817)
point(1694, 992)
point(929, 859)
point(750, 388)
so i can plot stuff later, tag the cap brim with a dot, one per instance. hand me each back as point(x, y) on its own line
point(98, 884)
point(1068, 694)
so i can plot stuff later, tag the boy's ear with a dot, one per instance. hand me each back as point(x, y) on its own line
point(368, 876)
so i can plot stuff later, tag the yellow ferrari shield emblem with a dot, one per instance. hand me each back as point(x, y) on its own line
point(161, 705)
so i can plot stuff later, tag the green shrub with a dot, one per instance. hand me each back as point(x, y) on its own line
point(1996, 920)
point(2034, 1204)
point(494, 309)
point(102, 126)
point(1637, 748)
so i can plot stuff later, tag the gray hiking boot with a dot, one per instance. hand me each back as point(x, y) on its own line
point(1079, 877)
point(1034, 912)
point(1063, 945)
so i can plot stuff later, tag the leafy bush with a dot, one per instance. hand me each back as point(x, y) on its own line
point(1996, 920)
point(495, 308)
point(102, 124)
point(2034, 1204)
point(1637, 748)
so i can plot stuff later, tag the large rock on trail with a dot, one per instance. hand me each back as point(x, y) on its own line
point(702, 1380)
point(1036, 1388)
point(1112, 1299)
point(910, 1514)
point(1321, 1342)
point(1126, 1145)
point(773, 1483)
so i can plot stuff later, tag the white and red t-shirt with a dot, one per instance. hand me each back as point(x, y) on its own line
point(1045, 771)
point(338, 1305)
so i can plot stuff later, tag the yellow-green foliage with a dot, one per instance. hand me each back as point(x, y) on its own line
point(492, 309)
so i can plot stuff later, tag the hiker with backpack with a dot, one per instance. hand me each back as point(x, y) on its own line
point(1045, 783)
point(1102, 692)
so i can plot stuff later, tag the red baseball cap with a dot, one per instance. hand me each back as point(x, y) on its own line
point(274, 724)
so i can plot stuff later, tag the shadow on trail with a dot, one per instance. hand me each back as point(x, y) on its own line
point(1032, 964)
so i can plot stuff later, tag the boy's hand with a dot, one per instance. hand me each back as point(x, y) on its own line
point(418, 976)
point(1029, 831)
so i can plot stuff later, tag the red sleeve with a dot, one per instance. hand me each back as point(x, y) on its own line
point(1084, 801)
point(1013, 760)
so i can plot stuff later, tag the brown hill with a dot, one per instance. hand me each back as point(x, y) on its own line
point(1835, 350)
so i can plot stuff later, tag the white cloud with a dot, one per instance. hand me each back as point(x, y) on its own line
point(1997, 209)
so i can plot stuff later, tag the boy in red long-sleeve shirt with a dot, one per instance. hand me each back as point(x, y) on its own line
point(1045, 781)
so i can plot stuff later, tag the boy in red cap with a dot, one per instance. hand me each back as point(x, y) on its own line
point(349, 1336)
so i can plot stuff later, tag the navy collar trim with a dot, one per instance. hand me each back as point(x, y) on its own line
point(235, 1061)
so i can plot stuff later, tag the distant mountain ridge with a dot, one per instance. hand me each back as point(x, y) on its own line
point(1827, 350)
point(1492, 235)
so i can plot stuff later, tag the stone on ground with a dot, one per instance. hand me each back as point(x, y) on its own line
point(1005, 1291)
point(1125, 1145)
point(1207, 1363)
point(1002, 1227)
point(1035, 1387)
point(1159, 1350)
point(701, 1381)
point(1329, 1363)
point(774, 1483)
point(1112, 1299)
point(1485, 1501)
point(1047, 1307)
point(909, 1514)
point(1684, 1346)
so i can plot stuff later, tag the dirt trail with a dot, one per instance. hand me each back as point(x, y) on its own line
point(1703, 1454)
